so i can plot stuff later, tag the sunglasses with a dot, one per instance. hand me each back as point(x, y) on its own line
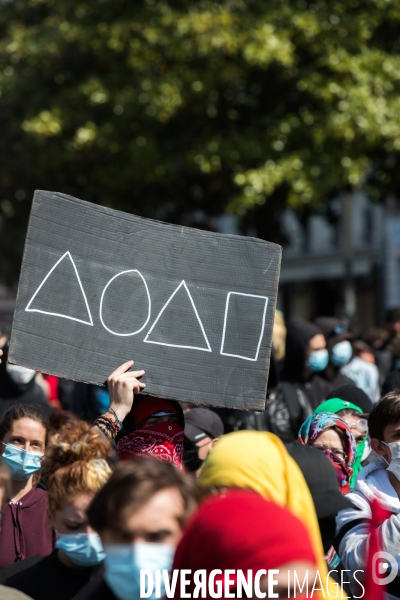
point(361, 425)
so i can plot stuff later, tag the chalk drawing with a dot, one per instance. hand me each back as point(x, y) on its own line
point(44, 312)
point(265, 298)
point(208, 349)
point(148, 298)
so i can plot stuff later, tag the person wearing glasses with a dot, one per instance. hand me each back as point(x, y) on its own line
point(333, 436)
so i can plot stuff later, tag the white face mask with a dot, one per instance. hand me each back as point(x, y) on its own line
point(394, 465)
point(20, 375)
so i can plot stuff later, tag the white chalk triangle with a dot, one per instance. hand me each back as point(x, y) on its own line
point(63, 296)
point(178, 323)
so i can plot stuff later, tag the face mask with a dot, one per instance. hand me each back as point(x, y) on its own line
point(20, 375)
point(341, 353)
point(343, 472)
point(191, 459)
point(21, 463)
point(124, 562)
point(84, 549)
point(318, 360)
point(394, 465)
point(366, 450)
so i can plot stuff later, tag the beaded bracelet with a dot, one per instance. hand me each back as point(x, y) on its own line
point(111, 421)
point(108, 426)
point(105, 428)
point(111, 425)
point(109, 434)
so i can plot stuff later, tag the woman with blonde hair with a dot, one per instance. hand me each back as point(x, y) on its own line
point(279, 336)
point(77, 467)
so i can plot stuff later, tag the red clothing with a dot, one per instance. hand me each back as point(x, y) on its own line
point(164, 441)
point(240, 530)
point(52, 395)
point(25, 529)
point(145, 406)
point(373, 588)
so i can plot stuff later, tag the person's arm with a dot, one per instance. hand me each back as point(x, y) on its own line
point(353, 548)
point(122, 385)
point(353, 535)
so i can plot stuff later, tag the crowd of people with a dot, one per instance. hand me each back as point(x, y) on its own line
point(97, 485)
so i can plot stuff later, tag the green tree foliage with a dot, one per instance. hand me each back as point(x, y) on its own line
point(166, 107)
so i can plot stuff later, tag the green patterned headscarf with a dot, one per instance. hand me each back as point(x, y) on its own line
point(334, 406)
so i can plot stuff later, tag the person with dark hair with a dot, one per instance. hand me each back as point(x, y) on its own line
point(77, 468)
point(331, 435)
point(377, 481)
point(302, 387)
point(306, 358)
point(203, 428)
point(338, 342)
point(25, 531)
point(139, 515)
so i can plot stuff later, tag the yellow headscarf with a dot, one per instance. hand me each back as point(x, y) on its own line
point(258, 461)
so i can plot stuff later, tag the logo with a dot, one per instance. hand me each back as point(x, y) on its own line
point(384, 563)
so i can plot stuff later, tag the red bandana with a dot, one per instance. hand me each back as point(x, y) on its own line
point(163, 441)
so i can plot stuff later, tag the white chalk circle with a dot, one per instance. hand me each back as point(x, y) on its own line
point(142, 282)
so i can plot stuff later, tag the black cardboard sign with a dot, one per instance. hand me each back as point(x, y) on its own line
point(99, 287)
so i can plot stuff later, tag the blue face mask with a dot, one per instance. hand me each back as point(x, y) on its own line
point(84, 549)
point(341, 353)
point(124, 562)
point(21, 463)
point(318, 360)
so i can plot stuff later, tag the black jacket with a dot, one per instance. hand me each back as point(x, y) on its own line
point(97, 591)
point(299, 334)
point(50, 579)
